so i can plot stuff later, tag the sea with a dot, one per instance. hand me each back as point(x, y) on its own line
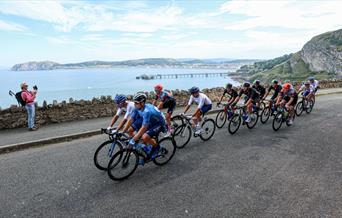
point(88, 83)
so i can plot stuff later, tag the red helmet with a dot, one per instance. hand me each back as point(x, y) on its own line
point(286, 86)
point(158, 87)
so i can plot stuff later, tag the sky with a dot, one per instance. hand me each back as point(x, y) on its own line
point(76, 31)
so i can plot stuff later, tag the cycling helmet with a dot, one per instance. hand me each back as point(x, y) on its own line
point(307, 83)
point(311, 78)
point(139, 97)
point(275, 81)
point(256, 82)
point(120, 99)
point(286, 86)
point(194, 90)
point(229, 86)
point(158, 87)
point(246, 84)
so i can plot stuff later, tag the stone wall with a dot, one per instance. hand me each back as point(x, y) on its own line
point(15, 117)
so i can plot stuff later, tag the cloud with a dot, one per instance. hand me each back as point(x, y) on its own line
point(4, 25)
point(311, 15)
point(66, 16)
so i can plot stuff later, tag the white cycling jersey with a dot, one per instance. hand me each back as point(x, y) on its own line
point(128, 110)
point(201, 100)
point(314, 84)
point(303, 88)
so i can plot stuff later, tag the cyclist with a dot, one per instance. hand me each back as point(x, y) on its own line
point(166, 101)
point(146, 122)
point(252, 97)
point(307, 91)
point(315, 85)
point(231, 92)
point(204, 105)
point(288, 97)
point(276, 87)
point(123, 106)
point(261, 89)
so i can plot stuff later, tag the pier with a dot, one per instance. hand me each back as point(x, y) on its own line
point(181, 75)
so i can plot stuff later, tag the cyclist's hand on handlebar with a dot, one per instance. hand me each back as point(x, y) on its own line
point(131, 142)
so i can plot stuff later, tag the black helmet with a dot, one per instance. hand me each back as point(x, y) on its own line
point(256, 82)
point(194, 90)
point(247, 85)
point(275, 81)
point(140, 97)
point(229, 86)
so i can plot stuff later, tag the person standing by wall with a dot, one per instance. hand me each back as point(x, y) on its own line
point(29, 97)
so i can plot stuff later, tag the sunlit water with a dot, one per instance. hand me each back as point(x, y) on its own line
point(88, 83)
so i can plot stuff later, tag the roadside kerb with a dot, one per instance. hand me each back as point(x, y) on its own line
point(64, 138)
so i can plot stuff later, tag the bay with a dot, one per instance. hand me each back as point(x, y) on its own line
point(88, 83)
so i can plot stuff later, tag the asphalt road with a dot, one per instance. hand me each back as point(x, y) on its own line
point(294, 172)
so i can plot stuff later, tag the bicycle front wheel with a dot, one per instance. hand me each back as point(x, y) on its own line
point(221, 119)
point(254, 120)
point(123, 164)
point(234, 124)
point(176, 121)
point(299, 108)
point(105, 152)
point(265, 115)
point(182, 135)
point(166, 152)
point(208, 128)
point(277, 121)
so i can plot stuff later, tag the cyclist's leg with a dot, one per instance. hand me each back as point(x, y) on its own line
point(170, 108)
point(136, 125)
point(196, 118)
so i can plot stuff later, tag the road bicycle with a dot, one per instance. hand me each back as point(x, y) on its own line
point(182, 133)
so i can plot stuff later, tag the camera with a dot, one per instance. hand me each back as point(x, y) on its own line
point(35, 87)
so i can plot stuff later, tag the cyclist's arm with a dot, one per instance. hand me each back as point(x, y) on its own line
point(265, 96)
point(121, 124)
point(141, 131)
point(250, 100)
point(231, 100)
point(128, 124)
point(290, 102)
point(189, 104)
point(113, 121)
point(160, 106)
point(186, 108)
point(154, 102)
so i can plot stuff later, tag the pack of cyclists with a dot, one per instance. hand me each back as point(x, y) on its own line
point(283, 95)
point(144, 121)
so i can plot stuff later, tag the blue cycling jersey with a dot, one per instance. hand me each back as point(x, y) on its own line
point(150, 114)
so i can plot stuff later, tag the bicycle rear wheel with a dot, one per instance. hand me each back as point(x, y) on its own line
point(182, 135)
point(277, 121)
point(166, 152)
point(299, 108)
point(254, 120)
point(123, 164)
point(234, 124)
point(221, 119)
point(208, 128)
point(105, 152)
point(265, 115)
